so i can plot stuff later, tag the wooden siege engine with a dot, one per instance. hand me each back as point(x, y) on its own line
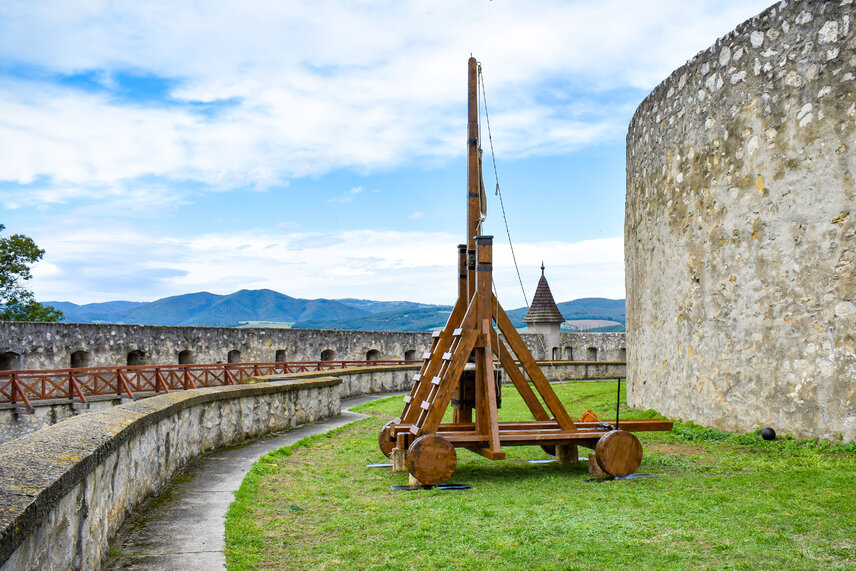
point(459, 369)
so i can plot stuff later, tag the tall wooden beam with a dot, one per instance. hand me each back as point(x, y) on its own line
point(473, 182)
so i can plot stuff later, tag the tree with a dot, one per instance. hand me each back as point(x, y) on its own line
point(17, 303)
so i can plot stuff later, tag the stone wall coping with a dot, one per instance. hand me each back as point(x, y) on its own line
point(386, 368)
point(39, 469)
point(348, 371)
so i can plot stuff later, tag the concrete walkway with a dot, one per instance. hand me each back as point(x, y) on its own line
point(183, 528)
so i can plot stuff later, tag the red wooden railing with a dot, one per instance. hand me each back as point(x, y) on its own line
point(130, 381)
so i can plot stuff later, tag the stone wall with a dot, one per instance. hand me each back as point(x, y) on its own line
point(740, 229)
point(17, 421)
point(65, 490)
point(51, 345)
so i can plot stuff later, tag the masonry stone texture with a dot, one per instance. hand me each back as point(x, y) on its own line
point(65, 490)
point(740, 229)
point(50, 345)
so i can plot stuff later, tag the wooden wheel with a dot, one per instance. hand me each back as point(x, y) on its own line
point(431, 459)
point(618, 453)
point(385, 440)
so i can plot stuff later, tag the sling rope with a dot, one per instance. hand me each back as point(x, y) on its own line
point(499, 192)
point(505, 219)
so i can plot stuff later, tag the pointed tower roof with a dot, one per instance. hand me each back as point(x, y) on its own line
point(543, 308)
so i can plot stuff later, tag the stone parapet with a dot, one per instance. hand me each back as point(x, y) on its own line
point(62, 345)
point(367, 380)
point(17, 421)
point(65, 490)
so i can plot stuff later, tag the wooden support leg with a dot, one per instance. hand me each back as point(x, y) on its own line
point(594, 468)
point(399, 459)
point(567, 453)
point(413, 482)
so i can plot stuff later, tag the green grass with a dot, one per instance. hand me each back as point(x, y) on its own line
point(718, 500)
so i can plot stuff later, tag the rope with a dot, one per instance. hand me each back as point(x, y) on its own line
point(499, 193)
point(505, 220)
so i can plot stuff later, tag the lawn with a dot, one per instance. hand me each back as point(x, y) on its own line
point(716, 500)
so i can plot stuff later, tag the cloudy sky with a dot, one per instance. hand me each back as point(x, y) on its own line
point(318, 148)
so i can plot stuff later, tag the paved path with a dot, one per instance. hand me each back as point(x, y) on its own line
point(183, 529)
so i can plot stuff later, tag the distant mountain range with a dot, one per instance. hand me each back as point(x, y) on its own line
point(251, 307)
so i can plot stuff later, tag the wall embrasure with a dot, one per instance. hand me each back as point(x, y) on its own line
point(740, 229)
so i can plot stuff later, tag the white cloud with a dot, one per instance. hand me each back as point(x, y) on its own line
point(258, 93)
point(118, 263)
point(416, 216)
point(346, 197)
point(316, 86)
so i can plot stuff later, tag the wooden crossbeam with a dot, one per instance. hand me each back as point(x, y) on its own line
point(517, 378)
point(541, 383)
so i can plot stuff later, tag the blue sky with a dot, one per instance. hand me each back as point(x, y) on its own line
point(318, 148)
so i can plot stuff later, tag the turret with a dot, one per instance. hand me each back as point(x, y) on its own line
point(544, 318)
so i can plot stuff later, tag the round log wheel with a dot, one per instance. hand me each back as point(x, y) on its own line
point(618, 453)
point(431, 459)
point(385, 440)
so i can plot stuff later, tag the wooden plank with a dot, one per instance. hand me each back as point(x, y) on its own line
point(470, 439)
point(639, 425)
point(447, 387)
point(630, 425)
point(420, 390)
point(517, 378)
point(531, 367)
point(489, 383)
point(490, 453)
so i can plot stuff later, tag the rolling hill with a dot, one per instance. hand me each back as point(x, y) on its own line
point(208, 309)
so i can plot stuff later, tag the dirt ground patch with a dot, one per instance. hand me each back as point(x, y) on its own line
point(675, 448)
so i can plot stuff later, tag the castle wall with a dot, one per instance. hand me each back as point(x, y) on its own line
point(51, 345)
point(740, 229)
point(65, 490)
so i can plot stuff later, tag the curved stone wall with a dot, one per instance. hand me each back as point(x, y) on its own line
point(740, 229)
point(17, 421)
point(65, 490)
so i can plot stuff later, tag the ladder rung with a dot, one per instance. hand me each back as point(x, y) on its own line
point(407, 399)
point(458, 331)
point(447, 356)
point(417, 377)
point(425, 405)
point(414, 430)
point(426, 355)
point(435, 334)
point(436, 381)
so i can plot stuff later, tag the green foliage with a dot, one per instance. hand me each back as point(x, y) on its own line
point(717, 500)
point(17, 303)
